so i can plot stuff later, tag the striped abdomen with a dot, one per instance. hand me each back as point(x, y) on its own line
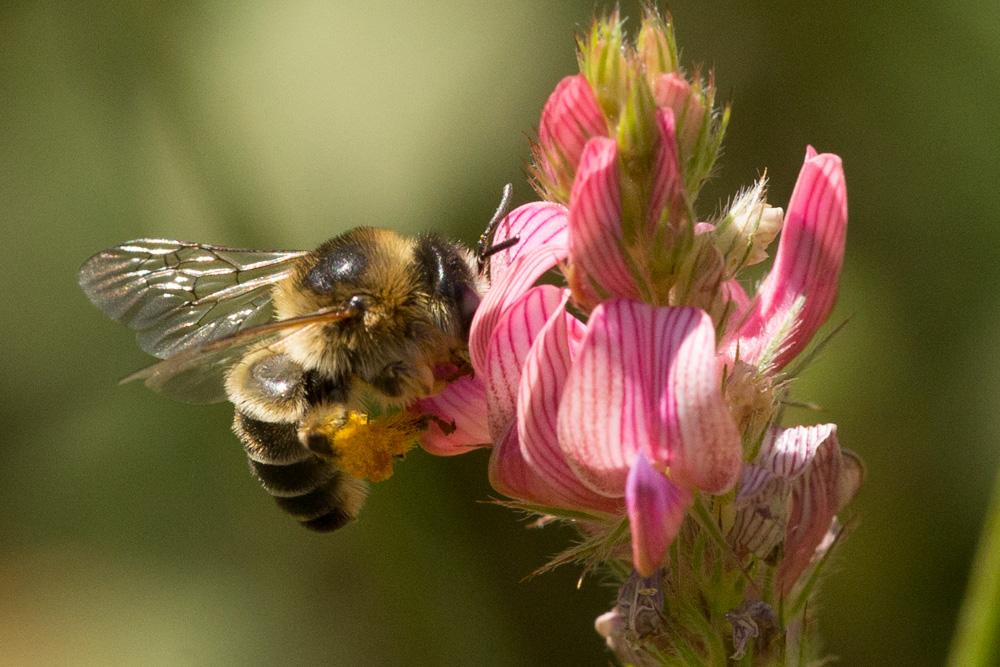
point(308, 487)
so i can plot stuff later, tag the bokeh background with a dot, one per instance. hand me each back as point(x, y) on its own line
point(130, 531)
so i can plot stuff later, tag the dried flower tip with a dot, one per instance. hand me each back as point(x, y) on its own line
point(749, 621)
point(751, 397)
point(640, 605)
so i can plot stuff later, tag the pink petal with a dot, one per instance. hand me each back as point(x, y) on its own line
point(807, 265)
point(511, 475)
point(656, 509)
point(667, 199)
point(646, 379)
point(817, 496)
point(525, 269)
point(737, 304)
point(508, 348)
point(535, 224)
point(570, 117)
point(542, 381)
point(708, 449)
point(463, 404)
point(514, 477)
point(596, 247)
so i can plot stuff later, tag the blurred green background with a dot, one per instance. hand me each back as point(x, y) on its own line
point(131, 531)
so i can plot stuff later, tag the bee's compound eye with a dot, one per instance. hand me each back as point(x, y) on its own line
point(358, 302)
point(468, 303)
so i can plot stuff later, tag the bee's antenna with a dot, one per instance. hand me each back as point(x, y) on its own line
point(485, 247)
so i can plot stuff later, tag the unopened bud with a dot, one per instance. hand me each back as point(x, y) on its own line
point(748, 229)
point(673, 91)
point(602, 61)
point(656, 46)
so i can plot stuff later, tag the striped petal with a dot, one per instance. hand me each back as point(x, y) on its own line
point(508, 348)
point(823, 489)
point(735, 304)
point(656, 509)
point(570, 117)
point(762, 511)
point(522, 274)
point(596, 248)
point(799, 481)
point(667, 199)
point(533, 225)
point(799, 292)
point(789, 452)
point(460, 418)
point(542, 381)
point(646, 380)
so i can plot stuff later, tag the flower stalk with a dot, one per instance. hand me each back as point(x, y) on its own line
point(977, 637)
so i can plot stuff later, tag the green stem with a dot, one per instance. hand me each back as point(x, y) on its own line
point(976, 638)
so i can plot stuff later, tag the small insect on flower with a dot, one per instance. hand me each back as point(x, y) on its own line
point(320, 352)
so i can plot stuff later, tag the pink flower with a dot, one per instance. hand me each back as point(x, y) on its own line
point(623, 375)
point(609, 394)
point(623, 413)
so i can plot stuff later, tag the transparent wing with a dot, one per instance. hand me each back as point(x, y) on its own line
point(177, 295)
point(197, 374)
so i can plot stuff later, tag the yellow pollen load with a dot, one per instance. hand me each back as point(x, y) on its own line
point(367, 449)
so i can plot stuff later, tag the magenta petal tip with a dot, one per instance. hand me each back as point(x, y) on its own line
point(656, 509)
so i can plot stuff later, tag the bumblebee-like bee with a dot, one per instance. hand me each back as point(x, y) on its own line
point(304, 344)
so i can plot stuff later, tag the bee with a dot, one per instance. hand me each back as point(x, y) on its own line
point(304, 344)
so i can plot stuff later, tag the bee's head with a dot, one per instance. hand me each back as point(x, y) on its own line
point(396, 287)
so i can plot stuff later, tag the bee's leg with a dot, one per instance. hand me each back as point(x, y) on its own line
point(308, 487)
point(318, 426)
point(327, 412)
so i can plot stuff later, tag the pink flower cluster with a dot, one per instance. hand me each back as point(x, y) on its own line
point(640, 373)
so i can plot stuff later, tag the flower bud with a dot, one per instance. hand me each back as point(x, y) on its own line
point(656, 46)
point(673, 91)
point(748, 229)
point(602, 61)
point(571, 116)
